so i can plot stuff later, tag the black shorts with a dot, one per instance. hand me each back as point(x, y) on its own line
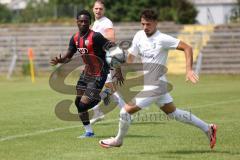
point(90, 86)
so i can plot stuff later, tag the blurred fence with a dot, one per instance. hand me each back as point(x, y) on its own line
point(44, 12)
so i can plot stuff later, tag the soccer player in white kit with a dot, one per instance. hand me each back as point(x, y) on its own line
point(105, 26)
point(152, 46)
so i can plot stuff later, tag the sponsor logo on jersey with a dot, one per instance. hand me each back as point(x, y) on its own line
point(82, 50)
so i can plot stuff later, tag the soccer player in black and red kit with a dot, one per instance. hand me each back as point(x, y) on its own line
point(91, 46)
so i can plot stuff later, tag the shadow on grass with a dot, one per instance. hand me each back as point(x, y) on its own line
point(179, 153)
point(186, 152)
point(131, 136)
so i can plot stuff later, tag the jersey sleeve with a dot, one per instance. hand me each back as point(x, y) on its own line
point(134, 49)
point(169, 42)
point(72, 46)
point(108, 24)
point(100, 41)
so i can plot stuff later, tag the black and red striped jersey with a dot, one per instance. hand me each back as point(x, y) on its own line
point(91, 48)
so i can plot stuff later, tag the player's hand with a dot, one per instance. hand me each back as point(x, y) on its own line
point(192, 77)
point(105, 96)
point(119, 76)
point(56, 60)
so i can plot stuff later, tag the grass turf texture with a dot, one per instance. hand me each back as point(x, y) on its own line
point(30, 130)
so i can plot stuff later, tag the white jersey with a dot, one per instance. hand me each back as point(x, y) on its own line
point(101, 25)
point(153, 49)
point(153, 52)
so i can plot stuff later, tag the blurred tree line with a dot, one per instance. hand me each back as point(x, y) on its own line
point(5, 14)
point(179, 11)
point(235, 17)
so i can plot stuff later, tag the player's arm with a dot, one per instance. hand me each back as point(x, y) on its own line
point(130, 58)
point(118, 74)
point(62, 59)
point(102, 43)
point(190, 75)
point(110, 34)
point(67, 56)
point(106, 45)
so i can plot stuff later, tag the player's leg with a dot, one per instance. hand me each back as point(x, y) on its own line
point(83, 105)
point(111, 85)
point(187, 117)
point(89, 99)
point(98, 114)
point(125, 121)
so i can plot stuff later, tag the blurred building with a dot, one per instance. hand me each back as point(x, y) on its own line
point(5, 1)
point(214, 11)
point(17, 4)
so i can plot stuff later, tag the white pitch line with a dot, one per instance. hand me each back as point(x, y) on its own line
point(36, 133)
point(212, 104)
point(45, 131)
point(106, 121)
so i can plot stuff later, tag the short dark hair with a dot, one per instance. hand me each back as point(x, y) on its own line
point(99, 1)
point(149, 14)
point(84, 12)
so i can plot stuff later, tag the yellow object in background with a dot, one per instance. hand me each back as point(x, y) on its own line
point(30, 57)
point(195, 35)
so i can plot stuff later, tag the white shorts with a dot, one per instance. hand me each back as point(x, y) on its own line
point(109, 77)
point(151, 93)
point(159, 100)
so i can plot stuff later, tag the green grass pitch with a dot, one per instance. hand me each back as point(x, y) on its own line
point(29, 128)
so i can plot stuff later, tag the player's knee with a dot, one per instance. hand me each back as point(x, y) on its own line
point(171, 115)
point(168, 108)
point(82, 107)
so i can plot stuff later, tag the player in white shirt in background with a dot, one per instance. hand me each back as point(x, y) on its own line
point(152, 46)
point(105, 26)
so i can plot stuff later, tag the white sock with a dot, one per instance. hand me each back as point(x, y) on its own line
point(118, 99)
point(124, 123)
point(187, 117)
point(88, 128)
point(96, 110)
